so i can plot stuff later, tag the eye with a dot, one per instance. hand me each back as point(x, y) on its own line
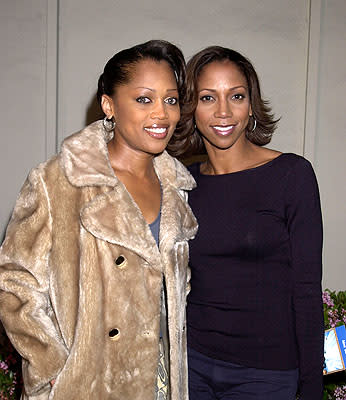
point(206, 98)
point(238, 96)
point(143, 100)
point(172, 101)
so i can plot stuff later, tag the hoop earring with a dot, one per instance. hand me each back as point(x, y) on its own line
point(108, 124)
point(255, 124)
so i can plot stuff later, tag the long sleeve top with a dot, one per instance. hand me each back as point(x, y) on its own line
point(256, 269)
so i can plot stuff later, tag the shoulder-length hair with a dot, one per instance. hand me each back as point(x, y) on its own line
point(187, 140)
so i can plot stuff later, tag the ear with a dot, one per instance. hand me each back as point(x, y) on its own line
point(250, 111)
point(107, 105)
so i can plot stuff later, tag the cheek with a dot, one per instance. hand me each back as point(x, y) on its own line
point(246, 116)
point(241, 114)
point(175, 115)
point(245, 111)
point(123, 115)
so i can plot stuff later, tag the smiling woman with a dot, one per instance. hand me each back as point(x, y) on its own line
point(97, 248)
point(224, 108)
point(254, 314)
point(145, 111)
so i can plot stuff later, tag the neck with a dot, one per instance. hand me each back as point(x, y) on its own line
point(124, 159)
point(225, 161)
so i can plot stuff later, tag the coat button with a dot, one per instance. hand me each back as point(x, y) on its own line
point(120, 262)
point(114, 334)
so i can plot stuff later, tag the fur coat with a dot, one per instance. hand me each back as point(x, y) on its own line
point(81, 277)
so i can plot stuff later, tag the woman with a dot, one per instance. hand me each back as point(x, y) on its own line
point(255, 323)
point(96, 249)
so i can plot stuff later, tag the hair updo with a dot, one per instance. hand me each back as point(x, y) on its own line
point(118, 69)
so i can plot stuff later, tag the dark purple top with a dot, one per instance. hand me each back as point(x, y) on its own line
point(256, 269)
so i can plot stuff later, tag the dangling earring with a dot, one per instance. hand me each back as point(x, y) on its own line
point(109, 124)
point(254, 125)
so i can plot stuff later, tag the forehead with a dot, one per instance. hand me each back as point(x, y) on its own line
point(152, 72)
point(218, 72)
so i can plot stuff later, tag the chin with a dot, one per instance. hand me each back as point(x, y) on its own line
point(221, 145)
point(158, 146)
point(156, 150)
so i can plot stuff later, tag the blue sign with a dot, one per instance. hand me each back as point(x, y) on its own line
point(334, 350)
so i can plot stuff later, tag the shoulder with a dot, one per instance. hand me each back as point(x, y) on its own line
point(290, 162)
point(44, 171)
point(289, 171)
point(293, 159)
point(33, 193)
point(301, 179)
point(296, 164)
point(47, 181)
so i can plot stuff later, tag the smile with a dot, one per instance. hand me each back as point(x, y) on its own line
point(158, 132)
point(223, 130)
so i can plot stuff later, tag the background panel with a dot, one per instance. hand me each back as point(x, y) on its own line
point(272, 33)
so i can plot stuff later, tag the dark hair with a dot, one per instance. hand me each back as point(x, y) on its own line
point(189, 141)
point(118, 69)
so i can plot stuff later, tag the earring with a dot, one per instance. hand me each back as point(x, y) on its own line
point(195, 129)
point(109, 124)
point(255, 123)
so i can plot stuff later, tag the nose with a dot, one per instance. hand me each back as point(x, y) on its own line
point(159, 111)
point(223, 109)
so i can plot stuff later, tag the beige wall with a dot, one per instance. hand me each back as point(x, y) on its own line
point(23, 39)
point(330, 144)
point(55, 49)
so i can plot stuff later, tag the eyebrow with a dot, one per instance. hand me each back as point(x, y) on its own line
point(230, 89)
point(153, 90)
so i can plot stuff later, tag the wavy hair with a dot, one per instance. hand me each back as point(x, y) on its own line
point(188, 141)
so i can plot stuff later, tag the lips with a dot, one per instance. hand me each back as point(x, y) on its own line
point(223, 130)
point(157, 131)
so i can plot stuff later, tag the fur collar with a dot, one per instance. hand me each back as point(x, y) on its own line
point(84, 159)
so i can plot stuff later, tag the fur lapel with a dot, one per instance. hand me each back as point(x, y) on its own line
point(115, 217)
point(84, 159)
point(112, 215)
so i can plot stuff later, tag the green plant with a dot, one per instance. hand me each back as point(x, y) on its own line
point(8, 378)
point(10, 369)
point(334, 308)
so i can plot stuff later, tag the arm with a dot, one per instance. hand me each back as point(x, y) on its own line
point(305, 230)
point(24, 287)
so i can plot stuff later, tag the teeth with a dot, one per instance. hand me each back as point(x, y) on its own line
point(156, 130)
point(223, 128)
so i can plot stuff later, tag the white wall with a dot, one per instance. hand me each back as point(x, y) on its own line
point(52, 52)
point(330, 145)
point(23, 59)
point(270, 32)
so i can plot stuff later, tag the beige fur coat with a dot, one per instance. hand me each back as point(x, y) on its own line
point(81, 276)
